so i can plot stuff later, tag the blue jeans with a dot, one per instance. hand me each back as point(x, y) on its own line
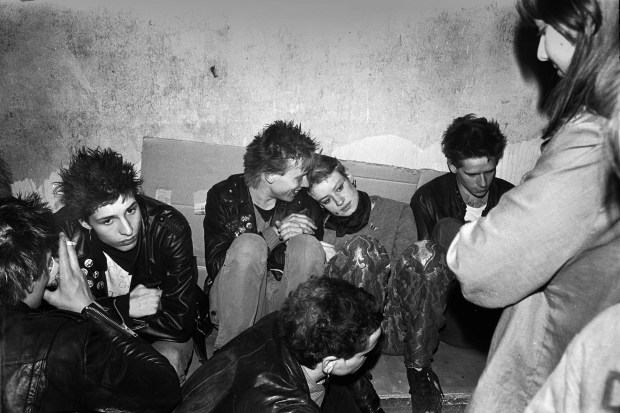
point(244, 290)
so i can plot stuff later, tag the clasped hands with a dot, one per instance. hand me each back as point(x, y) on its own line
point(294, 224)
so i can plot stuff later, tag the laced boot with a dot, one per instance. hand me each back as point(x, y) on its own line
point(425, 390)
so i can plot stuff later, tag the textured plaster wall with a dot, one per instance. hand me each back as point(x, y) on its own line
point(373, 81)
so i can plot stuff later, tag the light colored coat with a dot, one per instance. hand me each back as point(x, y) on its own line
point(587, 380)
point(550, 253)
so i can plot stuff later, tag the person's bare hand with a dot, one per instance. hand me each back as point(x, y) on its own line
point(73, 293)
point(295, 224)
point(144, 301)
point(329, 249)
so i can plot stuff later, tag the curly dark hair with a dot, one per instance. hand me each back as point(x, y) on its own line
point(324, 166)
point(271, 150)
point(6, 177)
point(27, 234)
point(472, 137)
point(95, 178)
point(327, 317)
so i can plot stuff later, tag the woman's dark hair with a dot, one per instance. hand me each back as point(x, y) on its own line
point(592, 27)
point(27, 234)
point(327, 317)
point(95, 178)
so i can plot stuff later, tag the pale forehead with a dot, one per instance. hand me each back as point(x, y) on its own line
point(328, 185)
point(117, 207)
point(477, 165)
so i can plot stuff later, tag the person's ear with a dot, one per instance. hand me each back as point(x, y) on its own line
point(269, 178)
point(351, 178)
point(452, 167)
point(328, 364)
point(85, 224)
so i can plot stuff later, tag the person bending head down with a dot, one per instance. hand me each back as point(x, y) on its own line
point(329, 326)
point(473, 146)
point(326, 327)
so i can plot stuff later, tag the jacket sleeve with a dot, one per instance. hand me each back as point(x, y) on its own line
point(423, 217)
point(217, 237)
point(175, 320)
point(121, 370)
point(536, 227)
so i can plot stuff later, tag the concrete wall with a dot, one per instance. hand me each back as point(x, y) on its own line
point(372, 81)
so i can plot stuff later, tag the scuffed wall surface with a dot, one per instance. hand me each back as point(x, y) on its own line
point(108, 73)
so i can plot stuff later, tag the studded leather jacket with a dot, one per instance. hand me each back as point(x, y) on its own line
point(165, 260)
point(58, 360)
point(230, 212)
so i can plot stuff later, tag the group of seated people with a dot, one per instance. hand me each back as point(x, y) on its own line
point(308, 277)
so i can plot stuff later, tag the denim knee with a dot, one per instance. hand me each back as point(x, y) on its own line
point(301, 243)
point(250, 248)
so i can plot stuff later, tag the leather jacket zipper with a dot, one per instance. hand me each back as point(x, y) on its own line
point(100, 316)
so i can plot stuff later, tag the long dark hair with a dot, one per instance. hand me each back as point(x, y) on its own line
point(592, 27)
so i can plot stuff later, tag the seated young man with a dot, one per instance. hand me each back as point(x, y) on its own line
point(136, 252)
point(76, 357)
point(256, 230)
point(369, 240)
point(473, 147)
point(283, 363)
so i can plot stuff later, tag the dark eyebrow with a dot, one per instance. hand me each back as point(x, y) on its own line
point(133, 204)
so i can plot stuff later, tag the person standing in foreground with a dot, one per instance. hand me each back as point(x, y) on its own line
point(257, 230)
point(549, 250)
point(76, 357)
point(136, 252)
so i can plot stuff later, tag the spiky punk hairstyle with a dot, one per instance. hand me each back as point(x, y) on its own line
point(27, 234)
point(327, 317)
point(95, 178)
point(272, 149)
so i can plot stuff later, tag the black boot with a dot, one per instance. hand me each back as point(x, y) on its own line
point(425, 390)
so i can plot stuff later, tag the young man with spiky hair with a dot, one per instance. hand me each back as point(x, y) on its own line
point(256, 229)
point(136, 252)
point(76, 357)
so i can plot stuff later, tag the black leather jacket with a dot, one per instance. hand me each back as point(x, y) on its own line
point(165, 260)
point(256, 373)
point(63, 361)
point(440, 198)
point(229, 212)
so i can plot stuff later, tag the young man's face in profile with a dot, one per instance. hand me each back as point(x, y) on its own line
point(117, 224)
point(285, 187)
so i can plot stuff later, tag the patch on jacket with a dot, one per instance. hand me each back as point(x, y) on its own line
point(240, 225)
